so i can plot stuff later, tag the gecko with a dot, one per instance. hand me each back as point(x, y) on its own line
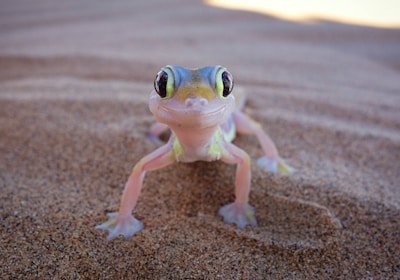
point(203, 115)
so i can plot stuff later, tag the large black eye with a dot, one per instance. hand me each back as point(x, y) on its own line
point(227, 81)
point(160, 83)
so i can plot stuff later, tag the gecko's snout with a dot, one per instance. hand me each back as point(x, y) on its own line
point(196, 102)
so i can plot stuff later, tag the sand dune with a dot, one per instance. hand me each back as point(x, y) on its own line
point(74, 84)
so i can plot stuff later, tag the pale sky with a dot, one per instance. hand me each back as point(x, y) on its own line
point(379, 13)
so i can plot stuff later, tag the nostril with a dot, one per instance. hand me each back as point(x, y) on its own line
point(203, 102)
point(194, 101)
point(189, 102)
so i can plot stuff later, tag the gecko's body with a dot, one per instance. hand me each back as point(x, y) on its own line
point(203, 115)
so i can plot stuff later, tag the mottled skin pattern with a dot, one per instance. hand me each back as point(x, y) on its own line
point(199, 108)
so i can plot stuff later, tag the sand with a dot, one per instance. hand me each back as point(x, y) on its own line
point(74, 84)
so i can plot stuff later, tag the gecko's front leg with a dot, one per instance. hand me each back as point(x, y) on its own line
point(271, 161)
point(239, 212)
point(122, 222)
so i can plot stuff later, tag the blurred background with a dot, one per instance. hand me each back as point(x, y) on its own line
point(385, 13)
point(154, 33)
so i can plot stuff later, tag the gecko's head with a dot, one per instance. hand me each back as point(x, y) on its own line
point(198, 98)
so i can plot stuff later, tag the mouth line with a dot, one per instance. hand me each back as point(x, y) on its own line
point(192, 112)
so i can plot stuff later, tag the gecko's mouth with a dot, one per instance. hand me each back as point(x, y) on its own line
point(192, 112)
point(195, 117)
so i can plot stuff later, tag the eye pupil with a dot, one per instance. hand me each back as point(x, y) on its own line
point(227, 81)
point(160, 83)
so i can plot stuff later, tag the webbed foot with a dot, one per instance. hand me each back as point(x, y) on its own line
point(275, 165)
point(125, 226)
point(239, 214)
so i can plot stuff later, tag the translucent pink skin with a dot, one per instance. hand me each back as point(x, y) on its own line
point(200, 127)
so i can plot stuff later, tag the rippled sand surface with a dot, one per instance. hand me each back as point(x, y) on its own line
point(74, 84)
